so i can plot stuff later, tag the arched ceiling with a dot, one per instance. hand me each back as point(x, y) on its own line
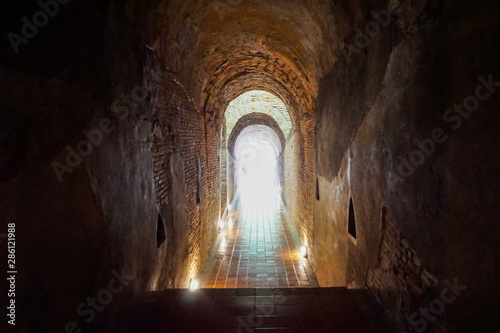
point(220, 49)
point(258, 102)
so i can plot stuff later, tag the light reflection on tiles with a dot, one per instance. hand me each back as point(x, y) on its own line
point(257, 250)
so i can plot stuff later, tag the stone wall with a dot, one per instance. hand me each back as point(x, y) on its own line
point(396, 108)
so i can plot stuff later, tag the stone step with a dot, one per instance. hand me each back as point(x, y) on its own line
point(255, 310)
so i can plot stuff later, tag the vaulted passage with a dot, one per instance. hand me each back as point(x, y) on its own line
point(188, 165)
point(258, 136)
point(259, 246)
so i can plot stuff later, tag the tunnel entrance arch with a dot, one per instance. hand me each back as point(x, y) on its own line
point(256, 158)
point(259, 116)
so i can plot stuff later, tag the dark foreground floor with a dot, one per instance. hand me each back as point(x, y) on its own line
point(254, 310)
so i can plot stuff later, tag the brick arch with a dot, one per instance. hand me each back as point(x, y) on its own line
point(258, 102)
point(219, 96)
point(254, 119)
point(253, 127)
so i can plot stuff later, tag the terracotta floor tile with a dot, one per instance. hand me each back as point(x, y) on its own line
point(258, 251)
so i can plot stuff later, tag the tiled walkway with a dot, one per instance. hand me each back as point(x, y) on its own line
point(257, 249)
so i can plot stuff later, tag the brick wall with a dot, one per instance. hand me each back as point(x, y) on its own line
point(399, 281)
point(182, 131)
point(299, 185)
point(223, 153)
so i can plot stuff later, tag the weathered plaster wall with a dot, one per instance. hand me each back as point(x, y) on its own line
point(152, 152)
point(442, 216)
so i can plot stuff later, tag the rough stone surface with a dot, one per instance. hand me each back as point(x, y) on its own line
point(426, 60)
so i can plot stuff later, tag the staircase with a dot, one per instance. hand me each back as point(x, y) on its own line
point(254, 310)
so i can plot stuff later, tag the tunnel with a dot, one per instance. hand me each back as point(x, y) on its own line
point(247, 166)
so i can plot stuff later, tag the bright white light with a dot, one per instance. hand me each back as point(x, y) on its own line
point(258, 177)
point(303, 251)
point(229, 208)
point(223, 244)
point(193, 284)
point(221, 224)
point(230, 223)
